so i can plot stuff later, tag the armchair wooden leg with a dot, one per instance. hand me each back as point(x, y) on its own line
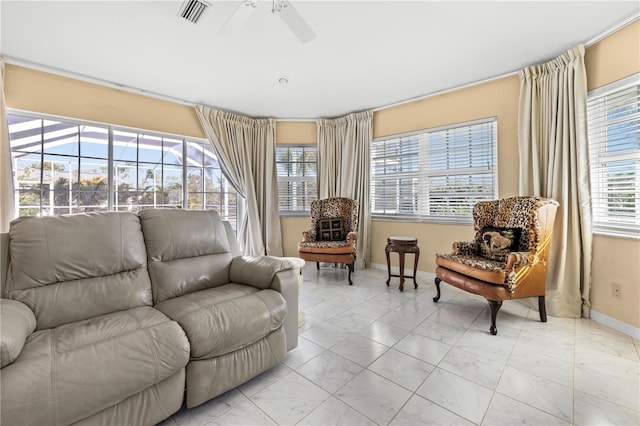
point(350, 266)
point(435, 299)
point(542, 308)
point(318, 266)
point(495, 307)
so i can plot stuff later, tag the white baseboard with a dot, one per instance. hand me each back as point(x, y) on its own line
point(617, 325)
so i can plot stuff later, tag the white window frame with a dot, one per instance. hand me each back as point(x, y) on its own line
point(291, 199)
point(420, 182)
point(111, 182)
point(627, 223)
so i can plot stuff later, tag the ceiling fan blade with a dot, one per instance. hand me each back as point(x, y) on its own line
point(296, 23)
point(239, 18)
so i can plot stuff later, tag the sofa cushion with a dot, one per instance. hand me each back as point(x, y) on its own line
point(74, 267)
point(73, 371)
point(223, 319)
point(497, 243)
point(188, 251)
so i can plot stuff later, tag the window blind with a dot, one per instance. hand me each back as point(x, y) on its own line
point(297, 168)
point(614, 145)
point(436, 174)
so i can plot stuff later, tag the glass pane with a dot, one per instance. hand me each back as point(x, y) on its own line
point(59, 167)
point(62, 210)
point(124, 176)
point(150, 149)
point(195, 201)
point(25, 133)
point(125, 146)
point(149, 199)
point(172, 151)
point(94, 142)
point(195, 154)
point(172, 199)
point(93, 175)
point(60, 138)
point(172, 178)
point(92, 201)
point(126, 200)
point(194, 180)
point(148, 177)
point(63, 195)
point(27, 167)
point(28, 203)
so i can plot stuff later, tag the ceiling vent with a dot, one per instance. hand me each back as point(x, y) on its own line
point(192, 10)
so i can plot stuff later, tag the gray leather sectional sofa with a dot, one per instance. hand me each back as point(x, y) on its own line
point(106, 318)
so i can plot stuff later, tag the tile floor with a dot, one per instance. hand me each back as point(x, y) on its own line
point(369, 354)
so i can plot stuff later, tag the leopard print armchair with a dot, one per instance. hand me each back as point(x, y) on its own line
point(342, 250)
point(500, 268)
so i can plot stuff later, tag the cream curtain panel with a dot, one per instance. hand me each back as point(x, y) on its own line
point(344, 169)
point(246, 150)
point(554, 163)
point(7, 208)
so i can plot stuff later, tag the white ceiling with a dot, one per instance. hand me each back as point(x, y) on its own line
point(366, 54)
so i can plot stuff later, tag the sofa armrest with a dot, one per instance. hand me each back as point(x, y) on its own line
point(17, 322)
point(286, 282)
point(257, 271)
point(465, 247)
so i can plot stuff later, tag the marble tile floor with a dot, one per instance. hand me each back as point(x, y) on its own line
point(371, 355)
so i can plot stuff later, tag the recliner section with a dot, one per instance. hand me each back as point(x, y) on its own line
point(129, 309)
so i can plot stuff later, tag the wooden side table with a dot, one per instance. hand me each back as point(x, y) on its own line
point(402, 245)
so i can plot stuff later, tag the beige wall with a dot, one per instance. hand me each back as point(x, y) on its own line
point(38, 91)
point(614, 260)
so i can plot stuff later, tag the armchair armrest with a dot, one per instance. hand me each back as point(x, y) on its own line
point(306, 236)
point(17, 322)
point(257, 271)
point(465, 247)
point(351, 237)
point(518, 259)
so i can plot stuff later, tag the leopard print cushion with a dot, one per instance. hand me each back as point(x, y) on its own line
point(514, 212)
point(344, 208)
point(479, 262)
point(465, 247)
point(325, 244)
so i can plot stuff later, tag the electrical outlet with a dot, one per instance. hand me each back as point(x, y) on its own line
point(616, 290)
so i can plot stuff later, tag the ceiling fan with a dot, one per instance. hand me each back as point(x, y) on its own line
point(282, 8)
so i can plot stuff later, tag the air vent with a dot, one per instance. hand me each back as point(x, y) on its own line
point(192, 10)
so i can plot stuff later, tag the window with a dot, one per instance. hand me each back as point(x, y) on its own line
point(614, 144)
point(62, 166)
point(297, 168)
point(434, 175)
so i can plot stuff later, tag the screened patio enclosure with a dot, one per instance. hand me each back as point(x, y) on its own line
point(72, 167)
